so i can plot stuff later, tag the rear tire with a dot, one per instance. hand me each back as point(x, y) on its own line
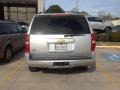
point(108, 29)
point(33, 69)
point(93, 67)
point(84, 67)
point(8, 54)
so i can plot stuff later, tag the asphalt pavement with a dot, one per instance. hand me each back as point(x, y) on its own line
point(16, 76)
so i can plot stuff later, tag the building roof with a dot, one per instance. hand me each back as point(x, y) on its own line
point(18, 3)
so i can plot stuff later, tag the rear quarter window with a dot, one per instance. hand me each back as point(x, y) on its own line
point(72, 24)
point(95, 19)
point(7, 28)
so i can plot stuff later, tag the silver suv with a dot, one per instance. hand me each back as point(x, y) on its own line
point(11, 39)
point(99, 25)
point(59, 41)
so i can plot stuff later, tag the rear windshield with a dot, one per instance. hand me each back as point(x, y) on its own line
point(47, 24)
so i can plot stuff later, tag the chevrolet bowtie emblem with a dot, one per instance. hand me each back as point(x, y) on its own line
point(61, 41)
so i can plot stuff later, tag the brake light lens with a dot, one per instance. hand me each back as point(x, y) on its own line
point(27, 43)
point(93, 42)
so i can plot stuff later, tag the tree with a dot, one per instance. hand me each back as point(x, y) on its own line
point(115, 18)
point(101, 14)
point(74, 10)
point(108, 17)
point(84, 13)
point(54, 9)
point(104, 15)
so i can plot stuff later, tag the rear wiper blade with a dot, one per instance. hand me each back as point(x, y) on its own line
point(71, 35)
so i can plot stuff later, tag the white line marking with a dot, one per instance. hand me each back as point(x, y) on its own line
point(114, 57)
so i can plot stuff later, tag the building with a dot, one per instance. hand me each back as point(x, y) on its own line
point(116, 22)
point(19, 10)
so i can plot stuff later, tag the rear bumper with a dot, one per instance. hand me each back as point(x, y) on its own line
point(49, 64)
point(72, 63)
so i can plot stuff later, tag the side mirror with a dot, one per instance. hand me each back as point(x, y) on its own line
point(24, 29)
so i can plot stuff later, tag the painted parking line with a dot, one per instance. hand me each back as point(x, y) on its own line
point(13, 71)
point(108, 47)
point(105, 73)
point(112, 57)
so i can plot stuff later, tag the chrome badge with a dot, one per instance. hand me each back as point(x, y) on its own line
point(61, 41)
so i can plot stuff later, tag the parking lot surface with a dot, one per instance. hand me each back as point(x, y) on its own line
point(16, 76)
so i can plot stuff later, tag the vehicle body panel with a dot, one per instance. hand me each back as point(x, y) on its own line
point(76, 49)
point(97, 23)
point(15, 40)
point(40, 46)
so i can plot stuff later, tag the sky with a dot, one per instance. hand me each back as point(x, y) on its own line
point(91, 6)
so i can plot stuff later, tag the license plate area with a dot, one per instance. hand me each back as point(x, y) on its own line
point(60, 63)
point(60, 47)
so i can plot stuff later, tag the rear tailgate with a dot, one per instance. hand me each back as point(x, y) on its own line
point(60, 47)
point(60, 37)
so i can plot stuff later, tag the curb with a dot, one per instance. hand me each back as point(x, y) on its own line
point(108, 47)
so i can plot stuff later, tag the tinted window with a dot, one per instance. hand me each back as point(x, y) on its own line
point(95, 19)
point(60, 25)
point(91, 19)
point(98, 19)
point(7, 28)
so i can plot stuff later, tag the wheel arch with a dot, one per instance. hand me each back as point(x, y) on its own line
point(8, 44)
point(108, 27)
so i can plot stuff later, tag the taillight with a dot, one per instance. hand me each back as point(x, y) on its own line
point(93, 44)
point(27, 43)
